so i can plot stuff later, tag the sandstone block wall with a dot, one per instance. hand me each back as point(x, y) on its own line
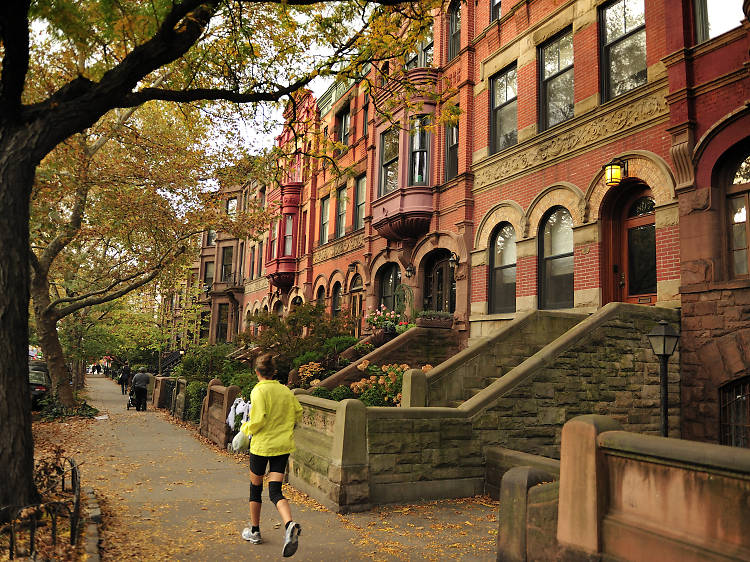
point(607, 370)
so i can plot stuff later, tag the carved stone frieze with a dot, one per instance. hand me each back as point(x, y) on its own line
point(259, 284)
point(338, 248)
point(577, 137)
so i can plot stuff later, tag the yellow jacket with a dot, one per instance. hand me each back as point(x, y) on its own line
point(275, 411)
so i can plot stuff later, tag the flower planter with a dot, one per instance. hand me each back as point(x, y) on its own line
point(381, 336)
point(425, 322)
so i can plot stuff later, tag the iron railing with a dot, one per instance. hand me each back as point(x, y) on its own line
point(29, 518)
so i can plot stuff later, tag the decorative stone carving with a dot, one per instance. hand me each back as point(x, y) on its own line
point(259, 284)
point(577, 137)
point(681, 151)
point(343, 246)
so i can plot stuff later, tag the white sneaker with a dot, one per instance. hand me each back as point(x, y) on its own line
point(249, 536)
point(290, 539)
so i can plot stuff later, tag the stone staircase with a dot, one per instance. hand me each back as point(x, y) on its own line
point(472, 370)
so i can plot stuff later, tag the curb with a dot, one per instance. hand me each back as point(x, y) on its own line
point(93, 521)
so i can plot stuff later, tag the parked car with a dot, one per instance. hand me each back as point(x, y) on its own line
point(39, 382)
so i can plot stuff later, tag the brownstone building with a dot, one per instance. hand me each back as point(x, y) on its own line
point(510, 208)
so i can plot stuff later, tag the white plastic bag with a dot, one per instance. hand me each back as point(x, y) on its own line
point(240, 443)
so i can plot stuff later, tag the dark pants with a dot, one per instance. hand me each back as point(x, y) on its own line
point(124, 386)
point(140, 398)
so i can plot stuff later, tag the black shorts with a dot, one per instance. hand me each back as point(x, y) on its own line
point(258, 464)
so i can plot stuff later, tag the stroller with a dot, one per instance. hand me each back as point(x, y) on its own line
point(131, 399)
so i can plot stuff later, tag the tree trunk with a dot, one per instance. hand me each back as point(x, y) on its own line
point(16, 444)
point(46, 325)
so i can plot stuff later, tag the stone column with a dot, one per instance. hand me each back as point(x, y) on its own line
point(414, 389)
point(582, 484)
point(349, 471)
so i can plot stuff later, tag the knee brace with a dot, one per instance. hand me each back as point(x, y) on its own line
point(255, 492)
point(274, 492)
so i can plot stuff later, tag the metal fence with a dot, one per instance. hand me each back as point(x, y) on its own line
point(25, 521)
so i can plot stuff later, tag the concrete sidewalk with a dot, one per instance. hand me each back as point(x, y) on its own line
point(172, 497)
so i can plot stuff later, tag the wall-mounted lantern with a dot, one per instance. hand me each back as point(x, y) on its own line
point(453, 260)
point(615, 171)
point(409, 271)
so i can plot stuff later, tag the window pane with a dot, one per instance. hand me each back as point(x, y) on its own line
point(739, 236)
point(722, 16)
point(627, 64)
point(506, 126)
point(558, 283)
point(560, 98)
point(419, 167)
point(505, 247)
point(642, 259)
point(743, 172)
point(390, 145)
point(634, 14)
point(390, 174)
point(643, 206)
point(738, 209)
point(740, 262)
point(558, 233)
point(614, 21)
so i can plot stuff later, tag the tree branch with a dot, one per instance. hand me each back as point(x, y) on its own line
point(107, 294)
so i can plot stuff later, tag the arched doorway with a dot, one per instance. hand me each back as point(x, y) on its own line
point(629, 245)
point(439, 282)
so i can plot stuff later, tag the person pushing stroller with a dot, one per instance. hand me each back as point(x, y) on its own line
point(139, 387)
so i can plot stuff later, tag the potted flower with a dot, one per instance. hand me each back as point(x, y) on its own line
point(435, 319)
point(383, 322)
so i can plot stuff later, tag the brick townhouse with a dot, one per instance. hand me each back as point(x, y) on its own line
point(602, 153)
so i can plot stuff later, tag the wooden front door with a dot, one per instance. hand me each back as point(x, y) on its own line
point(638, 242)
point(440, 287)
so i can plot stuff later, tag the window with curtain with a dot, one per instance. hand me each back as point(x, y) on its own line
point(389, 160)
point(340, 229)
point(359, 202)
point(556, 260)
point(714, 17)
point(208, 274)
point(502, 282)
point(273, 235)
point(324, 211)
point(454, 30)
point(288, 234)
point(556, 76)
point(504, 117)
point(227, 253)
point(419, 160)
point(451, 147)
point(623, 27)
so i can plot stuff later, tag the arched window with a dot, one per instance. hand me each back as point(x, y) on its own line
point(739, 193)
point(502, 282)
point(390, 279)
point(556, 259)
point(336, 299)
point(320, 296)
point(356, 284)
point(296, 303)
point(439, 282)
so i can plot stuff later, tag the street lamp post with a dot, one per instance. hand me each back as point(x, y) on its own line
point(663, 340)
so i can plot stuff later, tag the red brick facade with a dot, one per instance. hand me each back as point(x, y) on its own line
point(675, 124)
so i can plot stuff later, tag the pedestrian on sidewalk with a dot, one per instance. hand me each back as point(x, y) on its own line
point(275, 411)
point(140, 388)
point(123, 380)
point(127, 373)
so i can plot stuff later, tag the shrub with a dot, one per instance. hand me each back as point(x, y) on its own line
point(323, 392)
point(342, 392)
point(363, 348)
point(246, 381)
point(337, 344)
point(383, 386)
point(310, 372)
point(307, 357)
point(434, 314)
point(195, 391)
